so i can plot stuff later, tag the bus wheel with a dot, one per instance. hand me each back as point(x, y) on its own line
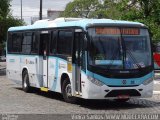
point(25, 82)
point(66, 91)
point(122, 100)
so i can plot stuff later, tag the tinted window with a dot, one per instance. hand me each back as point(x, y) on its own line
point(79, 48)
point(9, 42)
point(44, 39)
point(15, 43)
point(64, 42)
point(53, 43)
point(35, 44)
point(26, 44)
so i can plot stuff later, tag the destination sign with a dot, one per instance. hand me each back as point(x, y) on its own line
point(117, 31)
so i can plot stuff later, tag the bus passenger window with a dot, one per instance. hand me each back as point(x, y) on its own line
point(9, 42)
point(26, 44)
point(44, 39)
point(53, 43)
point(34, 44)
point(64, 43)
point(16, 42)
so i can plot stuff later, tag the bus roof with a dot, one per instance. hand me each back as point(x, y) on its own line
point(69, 22)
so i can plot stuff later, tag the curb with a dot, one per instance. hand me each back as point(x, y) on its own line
point(156, 92)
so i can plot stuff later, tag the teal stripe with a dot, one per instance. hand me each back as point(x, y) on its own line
point(11, 60)
point(24, 55)
point(36, 56)
point(56, 75)
point(118, 82)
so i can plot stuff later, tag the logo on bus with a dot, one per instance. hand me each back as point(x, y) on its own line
point(124, 82)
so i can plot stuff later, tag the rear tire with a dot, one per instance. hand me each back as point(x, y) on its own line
point(67, 93)
point(25, 82)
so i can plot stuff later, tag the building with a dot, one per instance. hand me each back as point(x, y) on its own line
point(51, 14)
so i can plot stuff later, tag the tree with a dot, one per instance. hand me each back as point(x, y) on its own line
point(82, 8)
point(6, 21)
point(145, 11)
point(4, 8)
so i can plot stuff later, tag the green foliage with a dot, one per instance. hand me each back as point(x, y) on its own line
point(6, 20)
point(4, 8)
point(153, 27)
point(82, 8)
point(7, 23)
point(145, 11)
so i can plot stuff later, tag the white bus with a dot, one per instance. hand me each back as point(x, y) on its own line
point(82, 58)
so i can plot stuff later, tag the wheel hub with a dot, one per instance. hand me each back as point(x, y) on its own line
point(25, 83)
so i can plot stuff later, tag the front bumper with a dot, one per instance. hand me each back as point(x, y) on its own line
point(92, 91)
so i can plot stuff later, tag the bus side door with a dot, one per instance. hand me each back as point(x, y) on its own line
point(77, 61)
point(52, 62)
point(44, 49)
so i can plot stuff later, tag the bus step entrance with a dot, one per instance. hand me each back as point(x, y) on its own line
point(44, 89)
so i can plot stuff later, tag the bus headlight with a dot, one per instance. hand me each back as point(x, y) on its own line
point(149, 80)
point(95, 81)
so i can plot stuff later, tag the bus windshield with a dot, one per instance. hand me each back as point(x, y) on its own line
point(119, 48)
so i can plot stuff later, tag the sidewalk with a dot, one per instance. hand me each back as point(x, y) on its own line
point(157, 76)
point(2, 65)
point(157, 83)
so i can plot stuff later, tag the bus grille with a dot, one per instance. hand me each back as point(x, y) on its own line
point(128, 92)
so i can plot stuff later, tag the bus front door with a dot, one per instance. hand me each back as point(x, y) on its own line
point(77, 54)
point(44, 38)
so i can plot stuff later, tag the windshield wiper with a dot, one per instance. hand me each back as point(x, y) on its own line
point(127, 50)
point(134, 59)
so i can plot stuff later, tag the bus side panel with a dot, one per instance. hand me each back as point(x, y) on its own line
point(32, 63)
point(40, 72)
point(60, 68)
point(52, 73)
point(13, 68)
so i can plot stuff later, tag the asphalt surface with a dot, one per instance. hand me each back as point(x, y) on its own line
point(14, 101)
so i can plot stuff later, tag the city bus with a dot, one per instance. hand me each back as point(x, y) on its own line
point(82, 58)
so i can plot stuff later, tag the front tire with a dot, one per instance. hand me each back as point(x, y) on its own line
point(25, 82)
point(67, 93)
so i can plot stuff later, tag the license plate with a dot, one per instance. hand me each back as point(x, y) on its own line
point(123, 96)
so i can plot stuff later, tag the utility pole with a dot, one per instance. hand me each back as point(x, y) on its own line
point(21, 10)
point(40, 12)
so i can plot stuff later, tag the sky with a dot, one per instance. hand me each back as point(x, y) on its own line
point(31, 8)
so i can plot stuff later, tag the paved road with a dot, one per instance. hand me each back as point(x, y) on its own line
point(14, 101)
